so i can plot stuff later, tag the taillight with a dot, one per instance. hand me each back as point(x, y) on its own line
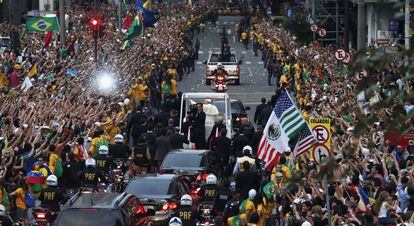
point(201, 177)
point(207, 70)
point(40, 215)
point(237, 69)
point(161, 170)
point(140, 210)
point(194, 193)
point(169, 206)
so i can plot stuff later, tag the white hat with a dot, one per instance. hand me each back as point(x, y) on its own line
point(103, 150)
point(252, 193)
point(119, 138)
point(120, 104)
point(306, 223)
point(98, 124)
point(126, 101)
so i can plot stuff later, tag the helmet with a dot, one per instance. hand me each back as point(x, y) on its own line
point(248, 148)
point(103, 150)
point(2, 210)
point(252, 193)
point(175, 221)
point(186, 200)
point(119, 138)
point(90, 162)
point(211, 179)
point(219, 65)
point(52, 180)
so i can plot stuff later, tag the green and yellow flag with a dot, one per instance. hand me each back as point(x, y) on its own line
point(42, 24)
point(137, 28)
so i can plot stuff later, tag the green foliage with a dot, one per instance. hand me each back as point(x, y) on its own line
point(299, 27)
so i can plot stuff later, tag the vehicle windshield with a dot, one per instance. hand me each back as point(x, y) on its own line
point(149, 187)
point(177, 160)
point(87, 217)
point(236, 107)
point(215, 58)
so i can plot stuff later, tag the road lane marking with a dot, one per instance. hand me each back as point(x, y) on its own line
point(250, 72)
point(200, 52)
point(199, 62)
point(244, 52)
point(225, 22)
point(248, 62)
point(260, 62)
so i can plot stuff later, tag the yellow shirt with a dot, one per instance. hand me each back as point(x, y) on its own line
point(20, 197)
point(243, 217)
point(250, 207)
point(244, 36)
point(52, 162)
point(141, 92)
point(283, 80)
point(264, 210)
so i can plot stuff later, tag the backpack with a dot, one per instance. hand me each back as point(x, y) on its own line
point(58, 168)
point(29, 200)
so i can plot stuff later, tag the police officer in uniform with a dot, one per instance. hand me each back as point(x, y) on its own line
point(187, 213)
point(247, 156)
point(141, 156)
point(119, 149)
point(209, 190)
point(103, 160)
point(5, 220)
point(91, 175)
point(52, 196)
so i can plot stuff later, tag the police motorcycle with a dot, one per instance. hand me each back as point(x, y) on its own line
point(44, 216)
point(220, 82)
point(206, 207)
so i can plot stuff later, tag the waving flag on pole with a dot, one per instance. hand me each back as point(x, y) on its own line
point(284, 123)
point(149, 17)
point(128, 22)
point(136, 28)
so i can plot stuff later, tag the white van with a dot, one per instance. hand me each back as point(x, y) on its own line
point(188, 102)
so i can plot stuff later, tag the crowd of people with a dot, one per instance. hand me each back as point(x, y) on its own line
point(64, 126)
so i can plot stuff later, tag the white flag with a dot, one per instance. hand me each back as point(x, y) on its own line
point(26, 84)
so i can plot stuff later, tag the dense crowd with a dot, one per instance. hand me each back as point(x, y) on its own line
point(57, 126)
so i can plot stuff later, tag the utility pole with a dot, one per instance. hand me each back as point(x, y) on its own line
point(10, 11)
point(337, 23)
point(361, 34)
point(120, 16)
point(62, 26)
point(407, 25)
point(313, 17)
point(346, 25)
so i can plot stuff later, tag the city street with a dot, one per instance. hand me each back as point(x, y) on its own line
point(253, 76)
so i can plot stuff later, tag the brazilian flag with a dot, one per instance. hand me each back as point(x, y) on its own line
point(269, 190)
point(137, 27)
point(42, 24)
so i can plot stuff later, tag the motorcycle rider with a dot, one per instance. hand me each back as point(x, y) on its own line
point(220, 73)
point(175, 221)
point(52, 196)
point(209, 190)
point(119, 149)
point(223, 196)
point(186, 212)
point(5, 219)
point(103, 160)
point(247, 156)
point(91, 175)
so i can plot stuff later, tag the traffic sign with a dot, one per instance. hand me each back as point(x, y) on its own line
point(321, 133)
point(321, 154)
point(347, 58)
point(321, 129)
point(340, 54)
point(322, 32)
point(362, 74)
point(314, 28)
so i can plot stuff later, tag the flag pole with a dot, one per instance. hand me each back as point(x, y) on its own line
point(62, 26)
point(120, 16)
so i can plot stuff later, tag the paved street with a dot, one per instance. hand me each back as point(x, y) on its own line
point(253, 82)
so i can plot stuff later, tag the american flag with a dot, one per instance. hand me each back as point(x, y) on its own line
point(305, 141)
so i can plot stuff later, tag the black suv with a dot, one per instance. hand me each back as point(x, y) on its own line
point(103, 209)
point(160, 192)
